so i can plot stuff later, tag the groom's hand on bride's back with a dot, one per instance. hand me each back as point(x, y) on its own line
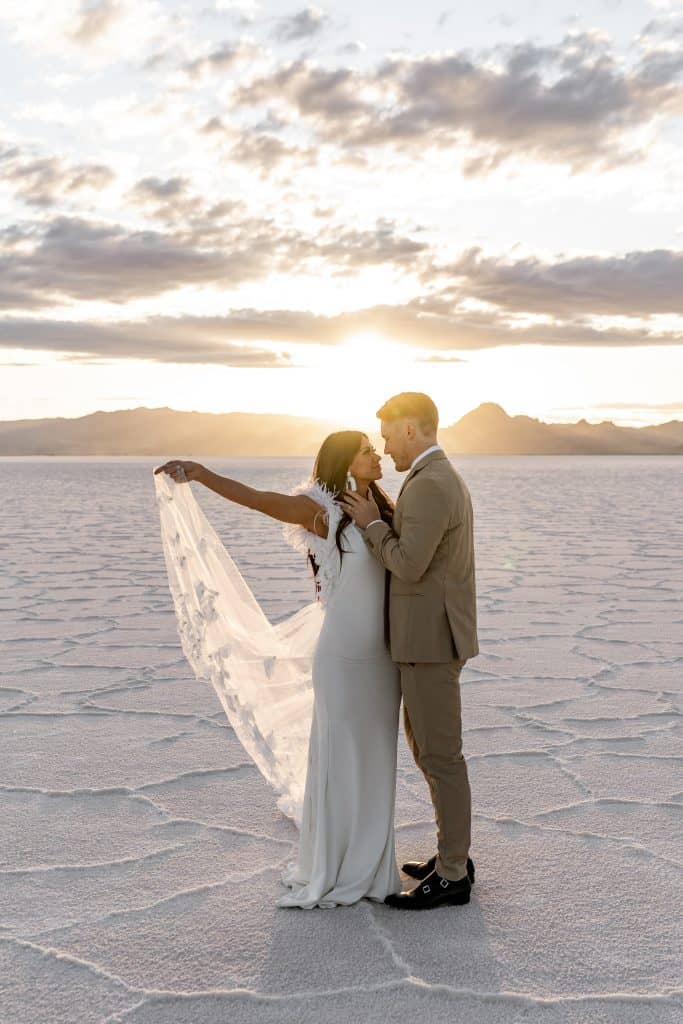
point(361, 510)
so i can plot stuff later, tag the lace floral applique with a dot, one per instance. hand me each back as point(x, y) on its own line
point(323, 549)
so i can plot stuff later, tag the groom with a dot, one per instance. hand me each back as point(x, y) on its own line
point(433, 627)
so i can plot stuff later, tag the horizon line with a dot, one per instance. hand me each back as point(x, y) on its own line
point(337, 422)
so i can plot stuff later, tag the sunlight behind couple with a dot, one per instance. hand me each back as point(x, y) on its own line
point(363, 370)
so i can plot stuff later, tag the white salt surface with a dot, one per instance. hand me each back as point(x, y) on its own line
point(140, 850)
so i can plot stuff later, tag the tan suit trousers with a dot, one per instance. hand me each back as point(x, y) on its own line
point(433, 727)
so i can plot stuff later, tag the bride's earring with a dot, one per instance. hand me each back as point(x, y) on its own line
point(350, 483)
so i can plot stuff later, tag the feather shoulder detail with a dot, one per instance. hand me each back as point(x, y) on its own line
point(323, 549)
point(303, 540)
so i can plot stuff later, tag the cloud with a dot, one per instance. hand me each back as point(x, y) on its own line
point(42, 181)
point(353, 47)
point(170, 200)
point(425, 324)
point(329, 94)
point(305, 23)
point(219, 59)
point(161, 339)
point(95, 32)
point(238, 338)
point(70, 258)
point(78, 259)
point(158, 188)
point(95, 20)
point(573, 103)
point(265, 152)
point(382, 245)
point(576, 102)
point(637, 284)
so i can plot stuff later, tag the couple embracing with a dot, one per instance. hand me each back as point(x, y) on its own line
point(396, 621)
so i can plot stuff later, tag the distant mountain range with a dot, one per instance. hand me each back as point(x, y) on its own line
point(487, 430)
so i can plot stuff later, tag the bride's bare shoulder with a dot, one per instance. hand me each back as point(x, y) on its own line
point(318, 507)
point(321, 520)
point(314, 516)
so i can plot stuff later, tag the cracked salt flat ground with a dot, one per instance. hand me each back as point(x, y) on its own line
point(140, 849)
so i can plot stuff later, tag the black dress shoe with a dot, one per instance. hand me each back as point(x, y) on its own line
point(420, 869)
point(435, 891)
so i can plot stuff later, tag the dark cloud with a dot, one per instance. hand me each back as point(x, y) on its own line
point(161, 339)
point(198, 62)
point(270, 123)
point(94, 20)
point(8, 152)
point(237, 338)
point(220, 59)
point(159, 188)
point(43, 181)
point(331, 95)
point(573, 102)
point(77, 259)
point(45, 263)
point(157, 59)
point(426, 324)
point(259, 145)
point(662, 29)
point(70, 258)
point(166, 199)
point(639, 283)
point(305, 23)
point(14, 296)
point(194, 221)
point(354, 47)
point(353, 248)
point(265, 152)
point(213, 124)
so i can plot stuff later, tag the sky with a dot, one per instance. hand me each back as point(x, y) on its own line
point(234, 206)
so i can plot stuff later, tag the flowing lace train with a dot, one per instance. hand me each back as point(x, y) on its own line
point(260, 672)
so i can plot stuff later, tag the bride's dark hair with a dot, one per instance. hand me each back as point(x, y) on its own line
point(331, 468)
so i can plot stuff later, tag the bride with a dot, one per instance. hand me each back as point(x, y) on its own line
point(314, 699)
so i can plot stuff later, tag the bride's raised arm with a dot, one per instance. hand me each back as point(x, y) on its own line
point(287, 508)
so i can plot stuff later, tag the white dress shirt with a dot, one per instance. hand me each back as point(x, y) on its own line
point(427, 451)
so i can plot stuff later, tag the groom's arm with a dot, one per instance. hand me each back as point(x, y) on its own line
point(425, 516)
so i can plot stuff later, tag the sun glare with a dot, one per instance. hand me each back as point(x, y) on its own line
point(373, 351)
point(363, 370)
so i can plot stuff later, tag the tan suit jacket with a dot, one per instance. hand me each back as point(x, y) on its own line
point(430, 554)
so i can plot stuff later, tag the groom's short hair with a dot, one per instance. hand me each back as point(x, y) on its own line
point(411, 405)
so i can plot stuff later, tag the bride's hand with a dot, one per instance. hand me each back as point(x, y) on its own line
point(181, 471)
point(362, 510)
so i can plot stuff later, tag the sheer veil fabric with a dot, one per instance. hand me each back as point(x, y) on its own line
point(260, 672)
point(314, 699)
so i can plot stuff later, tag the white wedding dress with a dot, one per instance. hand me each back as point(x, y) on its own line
point(314, 699)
